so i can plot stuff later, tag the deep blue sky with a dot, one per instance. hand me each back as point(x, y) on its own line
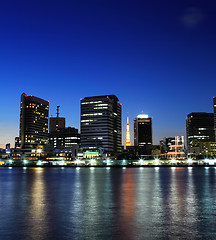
point(156, 56)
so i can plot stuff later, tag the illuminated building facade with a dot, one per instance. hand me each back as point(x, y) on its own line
point(176, 148)
point(65, 139)
point(128, 134)
point(57, 122)
point(101, 124)
point(34, 113)
point(199, 128)
point(214, 105)
point(207, 149)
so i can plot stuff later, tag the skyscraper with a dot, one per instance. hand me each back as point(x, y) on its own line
point(128, 133)
point(142, 130)
point(199, 128)
point(214, 105)
point(34, 113)
point(101, 124)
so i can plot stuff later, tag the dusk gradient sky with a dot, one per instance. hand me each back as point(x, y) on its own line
point(157, 56)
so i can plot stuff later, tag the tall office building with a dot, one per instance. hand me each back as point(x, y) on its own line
point(34, 113)
point(142, 130)
point(214, 105)
point(199, 128)
point(56, 123)
point(101, 124)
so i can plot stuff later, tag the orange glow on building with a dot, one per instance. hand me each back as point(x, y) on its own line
point(128, 134)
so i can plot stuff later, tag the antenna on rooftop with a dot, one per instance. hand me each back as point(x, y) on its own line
point(57, 113)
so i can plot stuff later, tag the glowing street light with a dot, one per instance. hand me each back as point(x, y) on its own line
point(92, 162)
point(156, 161)
point(39, 163)
point(173, 161)
point(189, 161)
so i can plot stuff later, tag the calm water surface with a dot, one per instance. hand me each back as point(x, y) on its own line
point(103, 203)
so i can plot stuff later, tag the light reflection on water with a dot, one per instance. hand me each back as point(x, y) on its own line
point(107, 203)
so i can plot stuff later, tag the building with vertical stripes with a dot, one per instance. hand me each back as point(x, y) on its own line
point(101, 124)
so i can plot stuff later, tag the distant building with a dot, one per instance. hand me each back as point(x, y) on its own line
point(57, 122)
point(156, 152)
point(165, 144)
point(17, 142)
point(199, 128)
point(177, 149)
point(143, 134)
point(65, 139)
point(214, 105)
point(34, 113)
point(101, 124)
point(7, 146)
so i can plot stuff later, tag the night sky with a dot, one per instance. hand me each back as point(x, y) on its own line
point(158, 57)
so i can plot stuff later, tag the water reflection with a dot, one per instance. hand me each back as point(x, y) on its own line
point(36, 217)
point(107, 203)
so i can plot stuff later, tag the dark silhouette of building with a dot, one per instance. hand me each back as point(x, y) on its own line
point(34, 113)
point(101, 124)
point(199, 128)
point(57, 122)
point(17, 142)
point(143, 134)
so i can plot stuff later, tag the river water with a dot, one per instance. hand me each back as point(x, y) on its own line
point(107, 203)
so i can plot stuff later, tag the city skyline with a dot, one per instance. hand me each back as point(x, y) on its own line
point(157, 58)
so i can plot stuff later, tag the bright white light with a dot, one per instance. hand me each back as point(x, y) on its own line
point(10, 161)
point(156, 168)
point(108, 162)
point(39, 150)
point(77, 168)
point(190, 161)
point(107, 168)
point(124, 168)
point(92, 162)
point(78, 161)
point(141, 161)
point(156, 161)
point(39, 163)
point(142, 116)
point(173, 161)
